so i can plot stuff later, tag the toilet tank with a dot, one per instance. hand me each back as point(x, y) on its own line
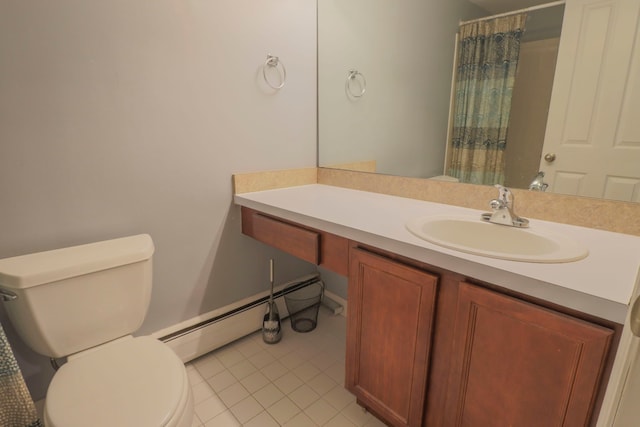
point(68, 300)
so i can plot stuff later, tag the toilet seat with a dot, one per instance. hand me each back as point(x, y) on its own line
point(129, 382)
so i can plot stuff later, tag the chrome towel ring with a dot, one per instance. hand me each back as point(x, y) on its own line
point(275, 63)
point(353, 77)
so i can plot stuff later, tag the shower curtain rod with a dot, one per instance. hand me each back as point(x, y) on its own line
point(513, 12)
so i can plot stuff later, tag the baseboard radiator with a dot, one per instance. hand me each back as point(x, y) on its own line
point(206, 333)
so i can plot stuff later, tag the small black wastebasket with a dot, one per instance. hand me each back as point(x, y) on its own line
point(303, 305)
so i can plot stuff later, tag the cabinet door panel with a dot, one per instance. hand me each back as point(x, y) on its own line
point(517, 364)
point(390, 317)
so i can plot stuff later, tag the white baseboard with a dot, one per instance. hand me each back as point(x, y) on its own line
point(339, 300)
point(202, 334)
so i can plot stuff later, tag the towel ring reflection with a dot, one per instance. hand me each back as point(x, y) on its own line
point(352, 76)
point(274, 62)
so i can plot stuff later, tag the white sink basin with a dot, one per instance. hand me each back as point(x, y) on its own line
point(477, 237)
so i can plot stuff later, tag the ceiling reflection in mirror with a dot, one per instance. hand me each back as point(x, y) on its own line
point(385, 88)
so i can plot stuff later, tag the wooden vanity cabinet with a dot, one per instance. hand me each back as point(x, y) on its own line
point(519, 364)
point(430, 347)
point(389, 333)
point(426, 347)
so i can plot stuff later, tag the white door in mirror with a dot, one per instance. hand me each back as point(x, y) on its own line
point(592, 128)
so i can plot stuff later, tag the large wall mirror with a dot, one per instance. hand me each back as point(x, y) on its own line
point(386, 104)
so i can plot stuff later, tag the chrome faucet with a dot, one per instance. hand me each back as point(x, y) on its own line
point(538, 183)
point(503, 212)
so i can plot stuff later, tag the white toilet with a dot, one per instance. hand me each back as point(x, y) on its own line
point(83, 302)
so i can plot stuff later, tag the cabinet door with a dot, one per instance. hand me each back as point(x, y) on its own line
point(518, 364)
point(389, 328)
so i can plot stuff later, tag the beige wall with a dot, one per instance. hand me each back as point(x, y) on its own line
point(126, 117)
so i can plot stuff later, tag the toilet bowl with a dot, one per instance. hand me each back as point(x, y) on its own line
point(129, 382)
point(84, 303)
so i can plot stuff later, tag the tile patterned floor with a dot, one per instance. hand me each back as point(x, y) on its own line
point(298, 382)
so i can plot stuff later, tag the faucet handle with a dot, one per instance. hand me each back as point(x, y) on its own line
point(503, 210)
point(504, 195)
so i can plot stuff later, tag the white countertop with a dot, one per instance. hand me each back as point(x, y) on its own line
point(601, 284)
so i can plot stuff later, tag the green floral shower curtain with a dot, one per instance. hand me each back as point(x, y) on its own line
point(486, 69)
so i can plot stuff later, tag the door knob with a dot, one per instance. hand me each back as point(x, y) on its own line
point(549, 157)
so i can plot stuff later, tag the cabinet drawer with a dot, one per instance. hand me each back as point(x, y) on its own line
point(297, 241)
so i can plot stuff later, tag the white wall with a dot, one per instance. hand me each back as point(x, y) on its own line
point(122, 117)
point(405, 51)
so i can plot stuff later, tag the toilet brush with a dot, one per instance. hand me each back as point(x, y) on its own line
point(271, 331)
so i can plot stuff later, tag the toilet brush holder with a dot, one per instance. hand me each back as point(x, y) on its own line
point(271, 327)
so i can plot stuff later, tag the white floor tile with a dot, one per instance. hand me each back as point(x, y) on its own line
point(281, 349)
point(263, 419)
point(246, 409)
point(298, 382)
point(288, 382)
point(201, 391)
point(208, 366)
point(254, 382)
point(242, 369)
point(356, 414)
point(209, 408)
point(232, 395)
point(268, 395)
point(321, 412)
point(336, 372)
point(274, 370)
point(283, 410)
point(306, 371)
point(248, 347)
point(262, 359)
point(293, 360)
point(222, 381)
point(374, 422)
point(229, 356)
point(194, 376)
point(324, 360)
point(339, 421)
point(310, 350)
point(303, 396)
point(339, 397)
point(225, 419)
point(300, 420)
point(322, 383)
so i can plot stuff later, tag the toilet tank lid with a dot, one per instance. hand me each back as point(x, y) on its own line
point(25, 271)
